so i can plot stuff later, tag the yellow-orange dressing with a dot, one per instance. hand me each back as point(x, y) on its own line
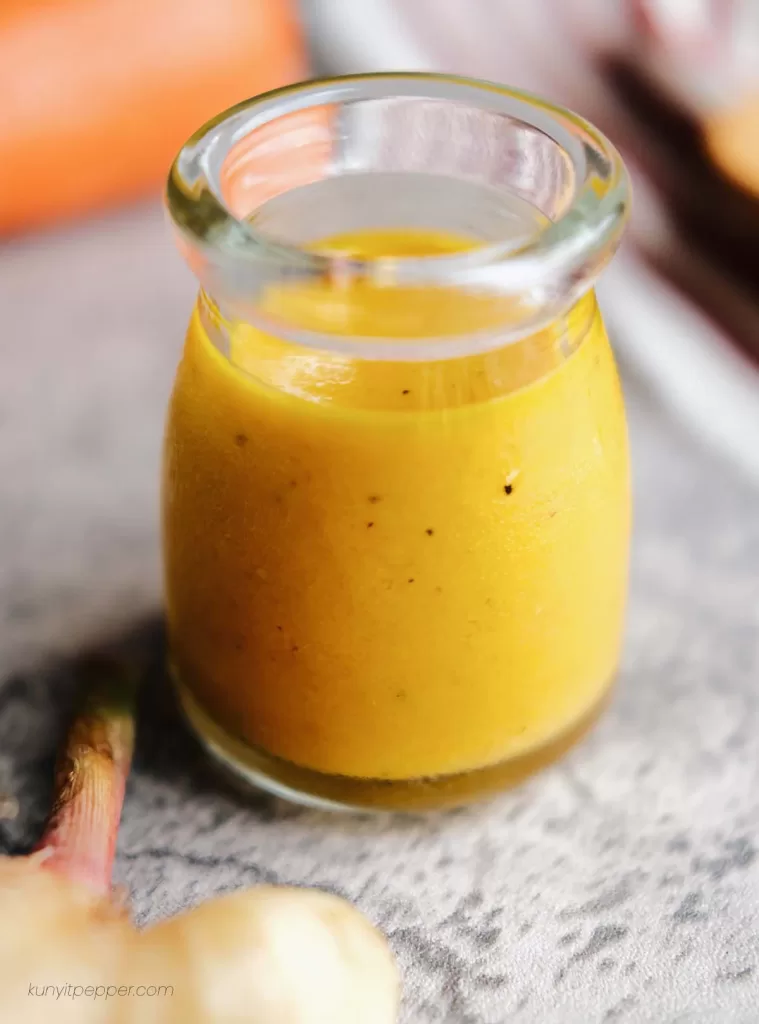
point(395, 569)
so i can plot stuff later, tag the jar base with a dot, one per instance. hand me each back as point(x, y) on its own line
point(252, 768)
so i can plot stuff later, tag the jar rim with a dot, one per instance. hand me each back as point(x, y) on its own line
point(557, 264)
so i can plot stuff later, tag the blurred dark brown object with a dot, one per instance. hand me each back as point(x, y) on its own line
point(699, 162)
point(98, 95)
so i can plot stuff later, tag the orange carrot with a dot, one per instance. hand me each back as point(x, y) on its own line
point(732, 137)
point(98, 95)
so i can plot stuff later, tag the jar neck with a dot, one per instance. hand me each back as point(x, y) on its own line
point(542, 194)
point(372, 383)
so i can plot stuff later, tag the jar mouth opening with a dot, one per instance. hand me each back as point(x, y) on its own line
point(223, 232)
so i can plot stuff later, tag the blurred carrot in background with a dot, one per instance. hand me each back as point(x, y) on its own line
point(732, 134)
point(98, 95)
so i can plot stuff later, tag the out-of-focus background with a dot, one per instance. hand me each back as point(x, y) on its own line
point(97, 98)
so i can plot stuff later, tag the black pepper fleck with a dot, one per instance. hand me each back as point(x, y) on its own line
point(507, 488)
point(279, 628)
point(295, 648)
point(405, 391)
point(401, 695)
point(241, 440)
point(429, 531)
point(411, 580)
point(374, 498)
point(369, 526)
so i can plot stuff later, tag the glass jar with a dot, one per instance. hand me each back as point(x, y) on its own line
point(396, 492)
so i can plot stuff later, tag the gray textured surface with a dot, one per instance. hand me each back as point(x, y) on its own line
point(622, 885)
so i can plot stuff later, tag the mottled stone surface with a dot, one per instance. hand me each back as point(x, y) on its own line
point(622, 885)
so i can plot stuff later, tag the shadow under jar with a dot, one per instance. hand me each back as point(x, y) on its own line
point(396, 491)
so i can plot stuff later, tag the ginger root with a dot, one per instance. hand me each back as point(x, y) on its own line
point(70, 955)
